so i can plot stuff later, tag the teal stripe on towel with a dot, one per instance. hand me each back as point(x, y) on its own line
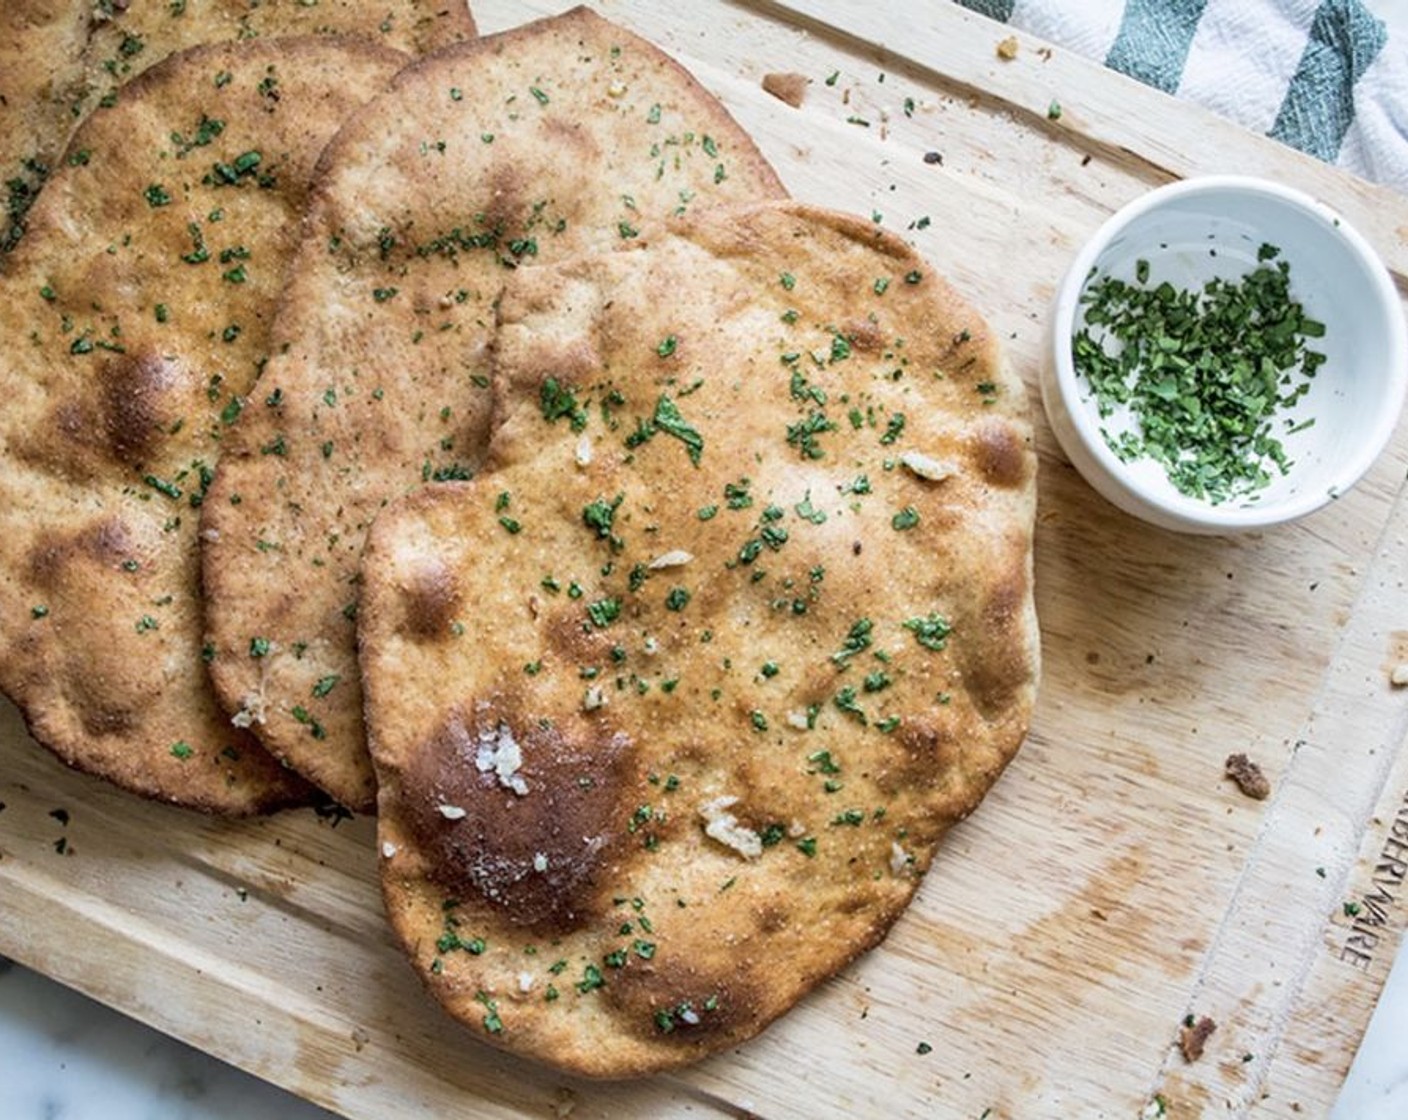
point(1153, 40)
point(993, 9)
point(1319, 104)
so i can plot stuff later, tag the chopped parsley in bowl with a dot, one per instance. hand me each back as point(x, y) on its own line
point(1226, 354)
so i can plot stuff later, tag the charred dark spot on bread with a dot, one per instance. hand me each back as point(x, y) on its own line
point(520, 815)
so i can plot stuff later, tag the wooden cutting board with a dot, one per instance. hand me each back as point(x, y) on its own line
point(1113, 882)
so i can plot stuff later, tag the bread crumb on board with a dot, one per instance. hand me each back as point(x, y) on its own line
point(1193, 1037)
point(1248, 776)
point(1007, 48)
point(788, 87)
point(1398, 675)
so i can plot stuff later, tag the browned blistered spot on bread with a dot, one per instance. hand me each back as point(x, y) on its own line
point(772, 917)
point(541, 856)
point(106, 541)
point(1001, 453)
point(572, 642)
point(99, 720)
point(715, 992)
point(430, 601)
point(994, 665)
point(571, 137)
point(864, 335)
point(141, 400)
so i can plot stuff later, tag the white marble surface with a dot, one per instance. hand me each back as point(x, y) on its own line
point(1377, 1086)
point(64, 1057)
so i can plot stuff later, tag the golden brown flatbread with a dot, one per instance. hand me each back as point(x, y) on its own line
point(559, 136)
point(41, 74)
point(60, 59)
point(136, 317)
point(671, 705)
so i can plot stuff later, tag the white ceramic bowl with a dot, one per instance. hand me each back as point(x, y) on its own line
point(1189, 232)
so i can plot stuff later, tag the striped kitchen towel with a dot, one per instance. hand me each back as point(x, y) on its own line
point(1329, 77)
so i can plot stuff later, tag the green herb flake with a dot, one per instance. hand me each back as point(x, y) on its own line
point(303, 716)
point(492, 1023)
point(931, 632)
point(677, 599)
point(603, 612)
point(907, 518)
point(671, 421)
point(599, 516)
point(845, 701)
point(559, 401)
point(181, 750)
point(170, 489)
point(858, 639)
point(893, 428)
point(803, 434)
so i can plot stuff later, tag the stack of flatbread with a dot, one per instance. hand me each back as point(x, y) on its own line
point(562, 137)
point(650, 551)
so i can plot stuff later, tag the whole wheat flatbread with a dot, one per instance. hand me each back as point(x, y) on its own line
point(559, 136)
point(60, 59)
point(671, 706)
point(136, 316)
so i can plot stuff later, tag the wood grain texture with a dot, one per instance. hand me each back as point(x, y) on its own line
point(1112, 882)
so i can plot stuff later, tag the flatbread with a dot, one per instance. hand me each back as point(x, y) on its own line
point(60, 59)
point(136, 316)
point(41, 74)
point(672, 704)
point(556, 137)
